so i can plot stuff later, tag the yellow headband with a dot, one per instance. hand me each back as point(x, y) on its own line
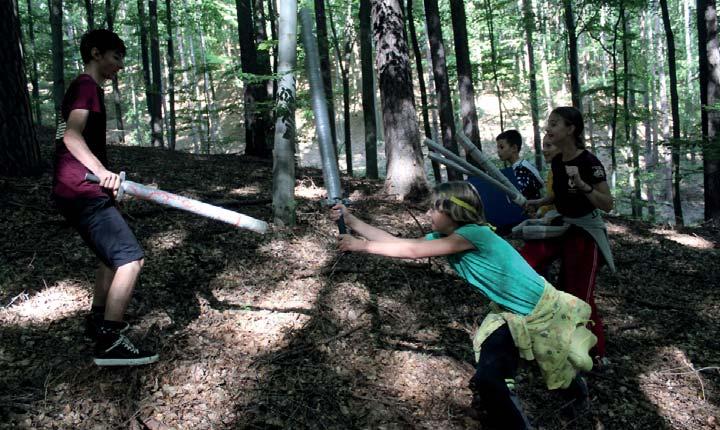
point(463, 204)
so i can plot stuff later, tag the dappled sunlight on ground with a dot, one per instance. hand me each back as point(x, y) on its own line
point(61, 300)
point(166, 240)
point(690, 240)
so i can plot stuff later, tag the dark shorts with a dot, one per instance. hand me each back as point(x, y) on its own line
point(103, 229)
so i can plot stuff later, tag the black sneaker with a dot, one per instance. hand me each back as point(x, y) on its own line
point(92, 326)
point(121, 352)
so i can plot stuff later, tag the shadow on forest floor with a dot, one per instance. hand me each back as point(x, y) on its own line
point(279, 331)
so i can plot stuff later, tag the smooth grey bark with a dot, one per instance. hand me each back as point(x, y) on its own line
point(19, 149)
point(145, 58)
point(439, 67)
point(368, 91)
point(284, 150)
point(58, 57)
point(675, 111)
point(405, 173)
point(322, 38)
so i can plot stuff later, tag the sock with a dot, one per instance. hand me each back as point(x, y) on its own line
point(98, 310)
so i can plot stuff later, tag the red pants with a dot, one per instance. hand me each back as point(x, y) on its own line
point(579, 263)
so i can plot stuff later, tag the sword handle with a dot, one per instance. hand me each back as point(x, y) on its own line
point(341, 225)
point(92, 178)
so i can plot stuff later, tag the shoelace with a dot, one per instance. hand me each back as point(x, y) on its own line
point(125, 342)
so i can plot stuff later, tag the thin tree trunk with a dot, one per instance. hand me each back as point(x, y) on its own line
point(156, 121)
point(344, 65)
point(171, 75)
point(534, 106)
point(674, 106)
point(421, 83)
point(405, 172)
point(19, 149)
point(284, 153)
point(145, 58)
point(368, 91)
point(34, 77)
point(493, 53)
point(90, 14)
point(613, 121)
point(58, 62)
point(439, 67)
point(274, 35)
point(322, 37)
point(468, 112)
point(573, 55)
point(186, 85)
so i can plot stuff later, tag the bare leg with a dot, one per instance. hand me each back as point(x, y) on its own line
point(103, 280)
point(121, 288)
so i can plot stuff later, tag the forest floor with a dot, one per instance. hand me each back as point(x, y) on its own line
point(281, 331)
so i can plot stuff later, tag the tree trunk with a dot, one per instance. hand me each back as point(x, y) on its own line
point(439, 67)
point(573, 55)
point(674, 106)
point(615, 108)
point(322, 38)
point(90, 14)
point(534, 107)
point(19, 149)
point(709, 57)
point(145, 58)
point(368, 91)
point(257, 124)
point(284, 153)
point(58, 57)
point(493, 61)
point(109, 18)
point(468, 112)
point(194, 133)
point(274, 35)
point(34, 76)
point(405, 172)
point(344, 65)
point(156, 121)
point(171, 74)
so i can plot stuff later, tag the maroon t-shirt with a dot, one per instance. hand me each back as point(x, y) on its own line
point(569, 200)
point(69, 180)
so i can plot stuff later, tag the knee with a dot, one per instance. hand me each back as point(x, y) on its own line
point(485, 380)
point(134, 266)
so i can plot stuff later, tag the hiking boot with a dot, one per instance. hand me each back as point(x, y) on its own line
point(92, 325)
point(113, 348)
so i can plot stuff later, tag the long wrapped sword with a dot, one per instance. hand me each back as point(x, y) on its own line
point(183, 203)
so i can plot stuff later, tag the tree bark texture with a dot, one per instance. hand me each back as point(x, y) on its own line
point(156, 122)
point(405, 172)
point(368, 91)
point(58, 63)
point(284, 153)
point(573, 55)
point(322, 38)
point(529, 21)
point(19, 149)
point(439, 67)
point(171, 74)
point(709, 55)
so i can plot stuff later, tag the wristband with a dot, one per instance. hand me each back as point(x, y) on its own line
point(590, 190)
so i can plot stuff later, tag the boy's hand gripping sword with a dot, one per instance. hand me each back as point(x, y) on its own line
point(183, 203)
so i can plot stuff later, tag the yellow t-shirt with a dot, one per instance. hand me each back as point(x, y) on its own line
point(549, 190)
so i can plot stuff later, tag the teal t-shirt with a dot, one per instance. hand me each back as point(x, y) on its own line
point(496, 269)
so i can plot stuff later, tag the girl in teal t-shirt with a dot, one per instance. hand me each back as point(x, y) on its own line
point(484, 260)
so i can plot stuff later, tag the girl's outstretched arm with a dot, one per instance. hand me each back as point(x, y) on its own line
point(407, 248)
point(360, 227)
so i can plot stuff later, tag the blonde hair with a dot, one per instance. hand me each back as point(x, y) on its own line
point(442, 200)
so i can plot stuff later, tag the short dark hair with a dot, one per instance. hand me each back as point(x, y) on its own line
point(103, 40)
point(513, 137)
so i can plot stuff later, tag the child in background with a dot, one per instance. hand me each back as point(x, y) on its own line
point(532, 320)
point(509, 144)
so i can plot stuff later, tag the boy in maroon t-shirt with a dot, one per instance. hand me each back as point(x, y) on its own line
point(90, 208)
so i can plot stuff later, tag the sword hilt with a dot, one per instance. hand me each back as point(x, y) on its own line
point(342, 229)
point(94, 179)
